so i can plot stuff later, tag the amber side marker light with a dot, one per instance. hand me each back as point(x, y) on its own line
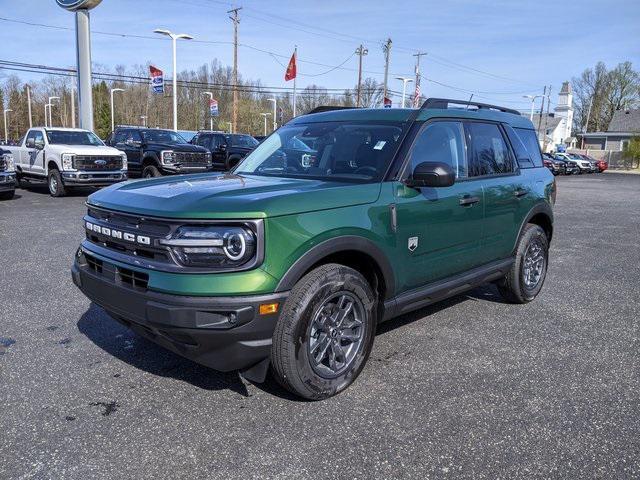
point(267, 308)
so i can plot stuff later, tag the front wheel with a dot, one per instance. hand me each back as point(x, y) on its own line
point(526, 277)
point(325, 332)
point(151, 171)
point(56, 187)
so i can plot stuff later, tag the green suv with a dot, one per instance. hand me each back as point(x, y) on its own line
point(340, 220)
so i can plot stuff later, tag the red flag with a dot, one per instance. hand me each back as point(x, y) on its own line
point(291, 72)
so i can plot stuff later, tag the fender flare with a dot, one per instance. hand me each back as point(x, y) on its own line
point(337, 245)
point(543, 208)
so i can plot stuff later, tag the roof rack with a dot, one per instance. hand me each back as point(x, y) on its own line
point(328, 108)
point(443, 103)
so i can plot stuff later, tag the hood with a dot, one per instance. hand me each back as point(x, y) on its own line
point(230, 196)
point(84, 149)
point(176, 147)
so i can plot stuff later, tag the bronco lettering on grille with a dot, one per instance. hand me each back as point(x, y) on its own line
point(117, 234)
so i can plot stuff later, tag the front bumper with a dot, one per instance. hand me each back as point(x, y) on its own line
point(176, 169)
point(7, 181)
point(91, 179)
point(224, 333)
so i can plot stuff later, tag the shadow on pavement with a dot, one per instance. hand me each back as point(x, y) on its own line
point(140, 353)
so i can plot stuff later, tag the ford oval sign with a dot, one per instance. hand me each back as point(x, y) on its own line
point(73, 5)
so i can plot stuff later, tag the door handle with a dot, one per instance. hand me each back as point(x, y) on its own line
point(468, 200)
point(520, 193)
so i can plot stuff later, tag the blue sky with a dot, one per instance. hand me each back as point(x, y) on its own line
point(518, 45)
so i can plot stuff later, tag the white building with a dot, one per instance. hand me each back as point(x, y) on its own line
point(554, 130)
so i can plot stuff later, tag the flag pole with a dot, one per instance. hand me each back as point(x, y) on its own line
point(295, 54)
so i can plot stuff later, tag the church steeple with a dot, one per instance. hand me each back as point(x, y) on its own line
point(564, 108)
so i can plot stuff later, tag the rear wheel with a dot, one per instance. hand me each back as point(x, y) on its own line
point(325, 332)
point(151, 171)
point(526, 277)
point(54, 181)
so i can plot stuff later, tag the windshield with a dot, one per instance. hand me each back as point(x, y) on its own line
point(70, 137)
point(162, 136)
point(332, 151)
point(246, 141)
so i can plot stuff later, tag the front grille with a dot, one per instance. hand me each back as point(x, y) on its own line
point(133, 278)
point(187, 159)
point(132, 224)
point(97, 162)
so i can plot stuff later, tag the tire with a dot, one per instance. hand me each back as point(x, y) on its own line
point(328, 289)
point(151, 171)
point(7, 195)
point(522, 284)
point(54, 182)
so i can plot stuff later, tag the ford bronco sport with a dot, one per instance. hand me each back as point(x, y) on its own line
point(336, 222)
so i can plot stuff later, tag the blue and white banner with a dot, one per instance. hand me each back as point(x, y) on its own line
point(157, 80)
point(213, 107)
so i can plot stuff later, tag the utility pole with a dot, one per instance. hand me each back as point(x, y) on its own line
point(361, 52)
point(586, 125)
point(29, 105)
point(236, 20)
point(73, 108)
point(546, 117)
point(386, 48)
point(541, 113)
point(416, 97)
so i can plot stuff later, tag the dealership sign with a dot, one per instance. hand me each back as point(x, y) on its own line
point(157, 80)
point(213, 107)
point(73, 5)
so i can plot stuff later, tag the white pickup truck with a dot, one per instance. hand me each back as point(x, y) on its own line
point(67, 157)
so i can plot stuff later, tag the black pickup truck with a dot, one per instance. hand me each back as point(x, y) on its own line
point(154, 152)
point(227, 149)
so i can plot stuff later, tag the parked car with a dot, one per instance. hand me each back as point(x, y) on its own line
point(600, 165)
point(293, 260)
point(227, 149)
point(64, 158)
point(7, 175)
point(154, 152)
point(554, 165)
point(581, 165)
point(570, 167)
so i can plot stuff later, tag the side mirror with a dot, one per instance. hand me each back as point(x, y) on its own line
point(222, 147)
point(431, 174)
point(31, 143)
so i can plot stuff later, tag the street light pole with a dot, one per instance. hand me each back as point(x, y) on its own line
point(73, 108)
point(113, 90)
point(210, 95)
point(404, 81)
point(265, 115)
point(46, 114)
point(174, 39)
point(275, 113)
point(51, 108)
point(6, 130)
point(533, 100)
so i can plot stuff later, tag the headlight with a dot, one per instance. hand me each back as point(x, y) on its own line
point(10, 165)
point(208, 157)
point(67, 161)
point(125, 164)
point(168, 156)
point(214, 246)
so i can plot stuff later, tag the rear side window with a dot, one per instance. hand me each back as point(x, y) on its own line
point(530, 141)
point(490, 154)
point(441, 142)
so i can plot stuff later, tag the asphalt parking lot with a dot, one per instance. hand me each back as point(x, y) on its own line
point(470, 388)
